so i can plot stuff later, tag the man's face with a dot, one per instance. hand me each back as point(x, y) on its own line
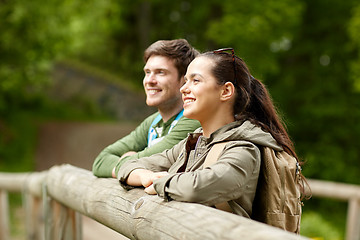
point(162, 83)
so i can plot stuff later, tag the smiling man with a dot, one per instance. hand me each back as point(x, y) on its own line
point(166, 62)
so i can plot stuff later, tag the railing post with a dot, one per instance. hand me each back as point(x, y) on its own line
point(61, 222)
point(4, 216)
point(48, 214)
point(74, 225)
point(34, 218)
point(78, 225)
point(66, 223)
point(353, 220)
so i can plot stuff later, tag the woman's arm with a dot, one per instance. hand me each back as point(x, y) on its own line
point(237, 168)
point(144, 177)
point(130, 174)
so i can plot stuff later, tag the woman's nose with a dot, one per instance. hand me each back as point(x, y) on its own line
point(150, 78)
point(184, 88)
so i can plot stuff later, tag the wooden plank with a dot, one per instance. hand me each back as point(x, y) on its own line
point(329, 189)
point(17, 182)
point(353, 220)
point(68, 224)
point(34, 183)
point(141, 216)
point(74, 187)
point(77, 225)
point(48, 215)
point(4, 216)
point(33, 217)
point(13, 182)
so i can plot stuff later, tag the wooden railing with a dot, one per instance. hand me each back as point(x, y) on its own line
point(54, 201)
point(345, 192)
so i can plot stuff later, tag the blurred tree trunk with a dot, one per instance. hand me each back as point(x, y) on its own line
point(144, 24)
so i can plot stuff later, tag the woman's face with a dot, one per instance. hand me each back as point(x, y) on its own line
point(200, 93)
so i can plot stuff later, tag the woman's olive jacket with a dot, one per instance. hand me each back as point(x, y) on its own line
point(233, 178)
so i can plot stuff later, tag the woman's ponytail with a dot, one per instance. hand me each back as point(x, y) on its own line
point(262, 112)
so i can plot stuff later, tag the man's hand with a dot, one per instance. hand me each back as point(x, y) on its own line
point(124, 155)
point(127, 154)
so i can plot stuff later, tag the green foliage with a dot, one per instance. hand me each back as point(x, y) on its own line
point(306, 51)
point(354, 32)
point(292, 46)
point(315, 226)
point(317, 94)
point(17, 143)
point(258, 30)
point(147, 22)
point(35, 33)
point(18, 138)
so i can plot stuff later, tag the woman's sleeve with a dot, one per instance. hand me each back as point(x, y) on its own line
point(218, 183)
point(156, 163)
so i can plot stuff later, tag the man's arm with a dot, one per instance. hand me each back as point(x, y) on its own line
point(178, 133)
point(136, 141)
point(109, 161)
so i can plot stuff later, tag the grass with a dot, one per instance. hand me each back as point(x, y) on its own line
point(324, 219)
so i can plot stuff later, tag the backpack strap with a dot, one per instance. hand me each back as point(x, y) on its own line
point(210, 159)
point(152, 135)
point(213, 154)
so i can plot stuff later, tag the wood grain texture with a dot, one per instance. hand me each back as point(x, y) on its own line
point(137, 215)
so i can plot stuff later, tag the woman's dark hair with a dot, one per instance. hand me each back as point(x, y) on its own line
point(179, 50)
point(253, 101)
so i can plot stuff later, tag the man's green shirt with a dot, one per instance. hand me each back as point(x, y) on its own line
point(137, 141)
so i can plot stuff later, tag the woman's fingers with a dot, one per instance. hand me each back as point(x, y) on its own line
point(150, 190)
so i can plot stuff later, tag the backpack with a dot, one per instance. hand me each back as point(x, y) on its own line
point(277, 198)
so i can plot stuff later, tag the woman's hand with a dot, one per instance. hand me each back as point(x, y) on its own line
point(143, 177)
point(150, 189)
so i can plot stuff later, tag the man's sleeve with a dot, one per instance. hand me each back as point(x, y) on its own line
point(109, 157)
point(178, 133)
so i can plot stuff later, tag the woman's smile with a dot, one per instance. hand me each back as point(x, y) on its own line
point(188, 101)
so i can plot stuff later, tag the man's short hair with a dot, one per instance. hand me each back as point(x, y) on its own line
point(179, 50)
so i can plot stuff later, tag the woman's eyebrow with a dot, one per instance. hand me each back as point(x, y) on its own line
point(195, 74)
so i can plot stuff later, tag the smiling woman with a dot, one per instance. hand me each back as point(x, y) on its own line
point(206, 100)
point(234, 109)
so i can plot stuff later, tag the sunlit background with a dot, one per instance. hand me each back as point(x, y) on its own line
point(71, 65)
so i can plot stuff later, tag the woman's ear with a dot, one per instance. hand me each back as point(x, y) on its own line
point(227, 91)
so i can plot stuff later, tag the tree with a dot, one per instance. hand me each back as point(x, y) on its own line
point(36, 33)
point(300, 49)
point(258, 31)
